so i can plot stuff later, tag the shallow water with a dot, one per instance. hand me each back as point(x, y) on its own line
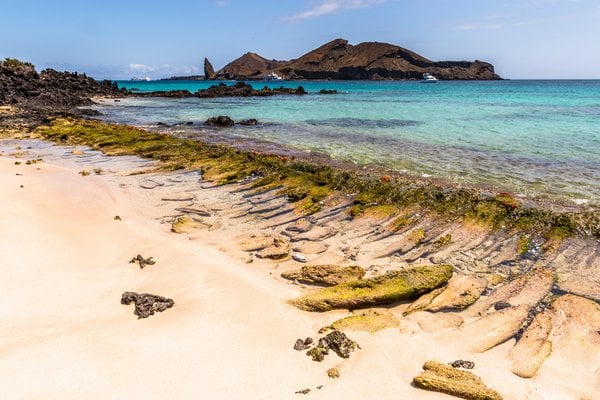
point(536, 138)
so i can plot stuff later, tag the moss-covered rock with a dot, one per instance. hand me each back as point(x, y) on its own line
point(391, 287)
point(443, 378)
point(366, 320)
point(327, 274)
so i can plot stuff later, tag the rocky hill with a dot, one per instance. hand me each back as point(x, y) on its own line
point(370, 60)
point(248, 66)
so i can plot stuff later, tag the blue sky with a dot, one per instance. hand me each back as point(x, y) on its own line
point(121, 39)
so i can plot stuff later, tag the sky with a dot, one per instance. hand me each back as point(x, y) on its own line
point(523, 39)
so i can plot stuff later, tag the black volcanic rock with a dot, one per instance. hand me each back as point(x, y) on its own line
point(35, 97)
point(370, 60)
point(221, 120)
point(241, 89)
point(209, 71)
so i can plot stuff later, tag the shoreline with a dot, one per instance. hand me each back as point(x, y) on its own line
point(231, 330)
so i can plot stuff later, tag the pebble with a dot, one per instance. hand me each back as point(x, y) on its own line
point(299, 257)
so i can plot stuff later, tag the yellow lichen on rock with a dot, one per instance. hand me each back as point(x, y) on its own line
point(443, 378)
point(366, 320)
point(385, 289)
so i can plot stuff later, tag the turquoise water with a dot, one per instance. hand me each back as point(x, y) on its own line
point(534, 138)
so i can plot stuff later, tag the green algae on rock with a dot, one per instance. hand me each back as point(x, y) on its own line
point(385, 289)
point(309, 183)
point(327, 274)
point(366, 320)
point(443, 378)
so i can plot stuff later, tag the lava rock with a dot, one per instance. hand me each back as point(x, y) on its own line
point(146, 304)
point(221, 120)
point(303, 344)
point(463, 364)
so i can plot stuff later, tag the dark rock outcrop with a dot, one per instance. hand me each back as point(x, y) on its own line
point(35, 97)
point(221, 120)
point(342, 61)
point(209, 71)
point(241, 89)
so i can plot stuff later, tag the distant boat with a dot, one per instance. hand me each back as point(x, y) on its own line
point(428, 78)
point(272, 76)
point(135, 78)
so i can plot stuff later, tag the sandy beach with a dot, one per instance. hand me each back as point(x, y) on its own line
point(231, 332)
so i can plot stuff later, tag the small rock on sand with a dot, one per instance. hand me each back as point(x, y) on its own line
point(443, 378)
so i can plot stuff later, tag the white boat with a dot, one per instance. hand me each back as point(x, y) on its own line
point(272, 76)
point(428, 78)
point(135, 78)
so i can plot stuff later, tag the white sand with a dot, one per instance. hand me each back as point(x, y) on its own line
point(65, 335)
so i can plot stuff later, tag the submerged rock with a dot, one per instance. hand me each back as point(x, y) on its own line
point(391, 287)
point(443, 378)
point(325, 274)
point(250, 122)
point(146, 304)
point(221, 120)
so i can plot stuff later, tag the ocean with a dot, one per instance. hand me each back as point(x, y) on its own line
point(534, 138)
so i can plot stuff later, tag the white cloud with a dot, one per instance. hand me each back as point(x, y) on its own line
point(161, 71)
point(331, 6)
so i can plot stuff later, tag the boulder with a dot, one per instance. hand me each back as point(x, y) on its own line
point(329, 275)
point(251, 121)
point(221, 120)
point(443, 378)
point(385, 289)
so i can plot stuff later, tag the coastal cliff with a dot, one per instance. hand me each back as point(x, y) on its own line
point(340, 60)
